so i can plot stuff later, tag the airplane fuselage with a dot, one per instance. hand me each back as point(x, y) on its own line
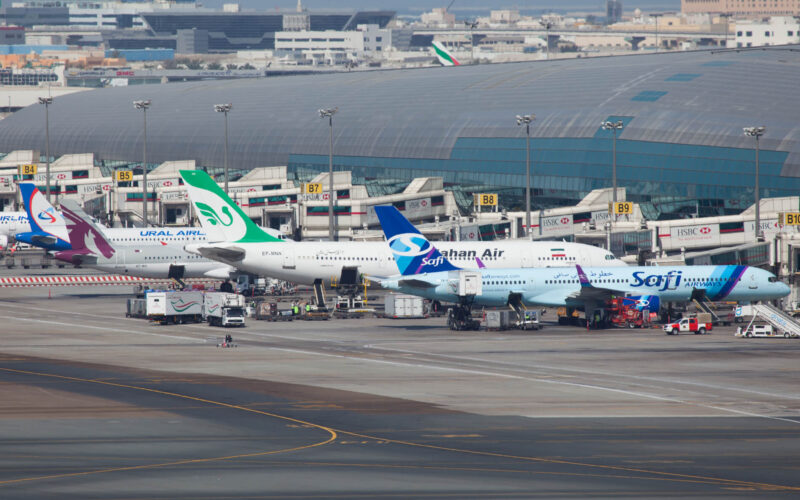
point(562, 287)
point(305, 262)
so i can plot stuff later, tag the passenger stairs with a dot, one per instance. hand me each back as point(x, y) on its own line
point(319, 294)
point(778, 319)
point(515, 302)
point(705, 306)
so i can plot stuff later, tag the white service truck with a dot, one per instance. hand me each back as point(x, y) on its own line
point(174, 307)
point(224, 309)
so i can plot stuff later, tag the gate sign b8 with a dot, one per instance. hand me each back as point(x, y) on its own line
point(486, 199)
point(621, 208)
point(28, 169)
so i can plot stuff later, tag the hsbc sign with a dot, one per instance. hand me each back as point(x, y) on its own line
point(701, 235)
point(556, 225)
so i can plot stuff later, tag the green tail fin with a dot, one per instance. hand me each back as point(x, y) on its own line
point(221, 218)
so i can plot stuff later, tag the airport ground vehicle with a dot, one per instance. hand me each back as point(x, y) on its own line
point(761, 330)
point(399, 305)
point(223, 309)
point(174, 307)
point(529, 321)
point(698, 325)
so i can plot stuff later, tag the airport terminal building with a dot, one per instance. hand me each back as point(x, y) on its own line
point(681, 150)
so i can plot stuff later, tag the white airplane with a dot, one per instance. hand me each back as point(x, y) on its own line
point(239, 242)
point(90, 248)
point(12, 223)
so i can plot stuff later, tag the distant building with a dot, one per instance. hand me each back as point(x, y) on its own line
point(334, 47)
point(12, 35)
point(741, 7)
point(613, 11)
point(438, 17)
point(773, 31)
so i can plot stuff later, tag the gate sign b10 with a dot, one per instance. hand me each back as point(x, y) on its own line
point(486, 199)
point(28, 169)
point(621, 208)
point(789, 219)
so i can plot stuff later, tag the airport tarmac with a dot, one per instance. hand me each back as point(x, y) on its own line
point(97, 405)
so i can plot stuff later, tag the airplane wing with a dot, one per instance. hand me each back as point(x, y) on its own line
point(417, 283)
point(225, 254)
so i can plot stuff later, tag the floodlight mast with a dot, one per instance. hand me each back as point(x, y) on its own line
point(144, 105)
point(527, 119)
point(613, 126)
point(328, 113)
point(225, 108)
point(757, 132)
point(47, 101)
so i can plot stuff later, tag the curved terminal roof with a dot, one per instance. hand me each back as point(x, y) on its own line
point(694, 98)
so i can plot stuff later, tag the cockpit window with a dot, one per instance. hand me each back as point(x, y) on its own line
point(773, 279)
point(610, 257)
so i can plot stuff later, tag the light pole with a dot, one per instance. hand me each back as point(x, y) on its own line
point(756, 132)
point(143, 105)
point(328, 113)
point(47, 101)
point(225, 108)
point(547, 25)
point(471, 25)
point(656, 16)
point(527, 119)
point(727, 17)
point(613, 126)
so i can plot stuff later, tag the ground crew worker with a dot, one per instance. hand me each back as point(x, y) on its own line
point(295, 309)
point(308, 307)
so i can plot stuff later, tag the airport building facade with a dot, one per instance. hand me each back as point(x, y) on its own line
point(681, 151)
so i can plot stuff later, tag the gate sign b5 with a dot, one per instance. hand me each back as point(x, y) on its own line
point(486, 199)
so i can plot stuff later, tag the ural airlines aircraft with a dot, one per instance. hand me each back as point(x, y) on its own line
point(246, 246)
point(10, 224)
point(90, 248)
point(427, 273)
point(48, 228)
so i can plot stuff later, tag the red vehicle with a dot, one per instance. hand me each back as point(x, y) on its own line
point(692, 325)
point(623, 313)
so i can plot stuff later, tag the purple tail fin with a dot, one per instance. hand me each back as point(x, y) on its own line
point(582, 277)
point(481, 265)
point(84, 236)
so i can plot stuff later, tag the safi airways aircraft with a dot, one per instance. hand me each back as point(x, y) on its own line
point(427, 273)
point(241, 243)
point(48, 227)
point(90, 248)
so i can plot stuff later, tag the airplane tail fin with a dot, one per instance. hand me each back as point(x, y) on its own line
point(444, 55)
point(220, 217)
point(48, 227)
point(584, 280)
point(84, 235)
point(413, 253)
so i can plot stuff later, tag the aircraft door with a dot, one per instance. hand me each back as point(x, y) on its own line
point(288, 259)
point(527, 259)
point(753, 284)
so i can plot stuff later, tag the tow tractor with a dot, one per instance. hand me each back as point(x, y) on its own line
point(699, 325)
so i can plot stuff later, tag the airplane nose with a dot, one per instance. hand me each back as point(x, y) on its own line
point(784, 289)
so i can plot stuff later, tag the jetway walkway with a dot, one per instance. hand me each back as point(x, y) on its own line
point(778, 319)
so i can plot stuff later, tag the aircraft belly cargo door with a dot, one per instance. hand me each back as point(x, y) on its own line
point(288, 259)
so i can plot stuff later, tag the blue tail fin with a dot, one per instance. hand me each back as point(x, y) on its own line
point(48, 227)
point(413, 253)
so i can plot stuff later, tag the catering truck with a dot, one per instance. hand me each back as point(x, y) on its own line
point(174, 307)
point(224, 309)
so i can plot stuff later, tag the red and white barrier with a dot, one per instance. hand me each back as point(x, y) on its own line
point(108, 280)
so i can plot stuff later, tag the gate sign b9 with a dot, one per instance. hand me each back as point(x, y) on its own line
point(486, 199)
point(124, 175)
point(28, 169)
point(621, 208)
point(313, 187)
point(790, 219)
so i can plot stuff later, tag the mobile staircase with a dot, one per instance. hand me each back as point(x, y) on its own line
point(779, 320)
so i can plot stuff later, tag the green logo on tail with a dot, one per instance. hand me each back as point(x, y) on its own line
point(212, 216)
